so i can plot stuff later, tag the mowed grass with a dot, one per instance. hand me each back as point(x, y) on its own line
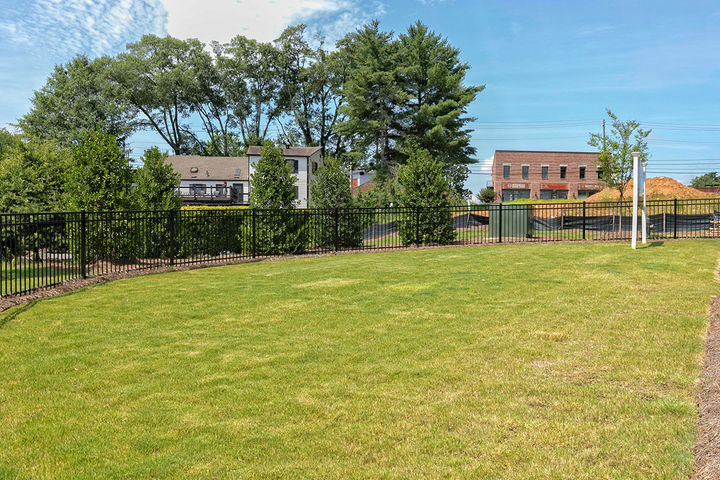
point(513, 362)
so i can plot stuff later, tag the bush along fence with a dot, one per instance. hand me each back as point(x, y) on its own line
point(39, 250)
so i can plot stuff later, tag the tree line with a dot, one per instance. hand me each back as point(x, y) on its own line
point(369, 101)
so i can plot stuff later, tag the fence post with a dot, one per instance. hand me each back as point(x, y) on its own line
point(336, 239)
point(253, 240)
point(500, 222)
point(171, 228)
point(83, 241)
point(417, 225)
point(583, 220)
point(675, 218)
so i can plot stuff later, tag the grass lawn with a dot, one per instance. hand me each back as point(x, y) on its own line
point(513, 362)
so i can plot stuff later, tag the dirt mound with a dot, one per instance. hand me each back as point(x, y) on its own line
point(658, 188)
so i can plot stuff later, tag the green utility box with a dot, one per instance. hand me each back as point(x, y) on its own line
point(515, 221)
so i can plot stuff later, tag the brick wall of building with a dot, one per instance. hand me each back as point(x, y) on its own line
point(536, 187)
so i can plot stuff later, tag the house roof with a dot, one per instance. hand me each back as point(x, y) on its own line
point(288, 151)
point(546, 151)
point(209, 168)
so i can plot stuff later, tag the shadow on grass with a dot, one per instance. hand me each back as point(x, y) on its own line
point(14, 312)
point(650, 245)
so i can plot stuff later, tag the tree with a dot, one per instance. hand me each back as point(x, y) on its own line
point(373, 95)
point(331, 186)
point(427, 189)
point(32, 177)
point(487, 195)
point(79, 97)
point(615, 160)
point(252, 83)
point(272, 184)
point(331, 189)
point(711, 179)
point(100, 175)
point(312, 79)
point(155, 183)
point(278, 227)
point(434, 114)
point(157, 77)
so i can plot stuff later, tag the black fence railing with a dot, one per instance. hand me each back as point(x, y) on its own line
point(206, 194)
point(39, 250)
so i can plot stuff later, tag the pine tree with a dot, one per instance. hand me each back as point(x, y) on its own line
point(435, 112)
point(373, 95)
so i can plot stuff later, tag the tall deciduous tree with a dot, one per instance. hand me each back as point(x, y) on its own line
point(434, 114)
point(79, 97)
point(615, 161)
point(312, 80)
point(158, 77)
point(252, 82)
point(100, 176)
point(155, 183)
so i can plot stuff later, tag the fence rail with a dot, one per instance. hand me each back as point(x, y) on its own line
point(39, 250)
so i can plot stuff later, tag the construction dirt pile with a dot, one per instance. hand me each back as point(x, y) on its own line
point(658, 188)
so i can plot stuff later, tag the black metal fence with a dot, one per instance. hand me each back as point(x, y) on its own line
point(39, 250)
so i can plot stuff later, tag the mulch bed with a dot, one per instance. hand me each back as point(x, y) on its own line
point(707, 448)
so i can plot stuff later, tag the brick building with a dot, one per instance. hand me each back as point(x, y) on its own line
point(544, 175)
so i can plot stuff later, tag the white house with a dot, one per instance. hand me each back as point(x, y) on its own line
point(304, 162)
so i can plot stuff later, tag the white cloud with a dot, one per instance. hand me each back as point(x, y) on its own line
point(64, 28)
point(263, 20)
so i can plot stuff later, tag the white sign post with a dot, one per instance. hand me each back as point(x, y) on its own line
point(644, 207)
point(635, 199)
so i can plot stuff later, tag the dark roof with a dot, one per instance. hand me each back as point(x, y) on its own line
point(209, 168)
point(547, 151)
point(288, 151)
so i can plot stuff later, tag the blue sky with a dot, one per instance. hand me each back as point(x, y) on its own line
point(550, 67)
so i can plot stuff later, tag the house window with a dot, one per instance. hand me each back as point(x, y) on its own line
point(525, 171)
point(582, 172)
point(219, 187)
point(506, 171)
point(599, 173)
point(236, 173)
point(563, 171)
point(297, 192)
point(315, 167)
point(544, 172)
point(294, 165)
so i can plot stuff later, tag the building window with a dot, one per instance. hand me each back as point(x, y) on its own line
point(293, 164)
point(582, 172)
point(553, 194)
point(219, 189)
point(563, 171)
point(297, 192)
point(236, 173)
point(585, 193)
point(544, 172)
point(506, 171)
point(508, 195)
point(599, 173)
point(525, 171)
point(315, 167)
